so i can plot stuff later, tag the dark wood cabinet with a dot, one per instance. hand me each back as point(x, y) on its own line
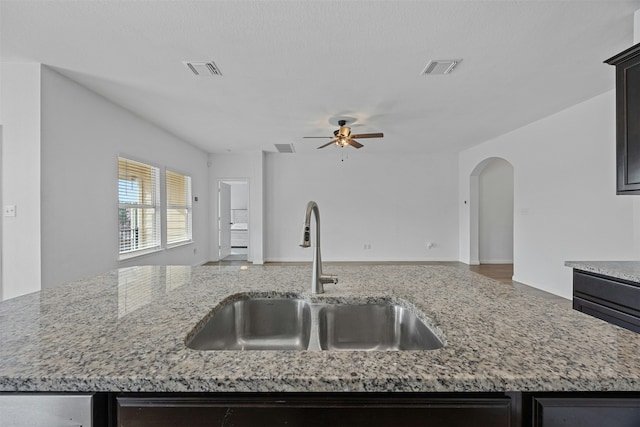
point(613, 300)
point(312, 409)
point(585, 411)
point(464, 409)
point(627, 65)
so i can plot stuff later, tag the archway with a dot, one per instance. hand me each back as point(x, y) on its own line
point(491, 212)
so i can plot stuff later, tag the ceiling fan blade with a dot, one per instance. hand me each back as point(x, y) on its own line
point(355, 144)
point(327, 144)
point(368, 135)
point(323, 137)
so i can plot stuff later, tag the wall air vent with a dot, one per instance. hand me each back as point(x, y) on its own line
point(285, 148)
point(203, 68)
point(440, 66)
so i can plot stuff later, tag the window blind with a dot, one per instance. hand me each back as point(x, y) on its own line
point(138, 206)
point(179, 208)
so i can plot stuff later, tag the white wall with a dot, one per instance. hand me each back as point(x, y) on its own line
point(246, 167)
point(1, 290)
point(20, 119)
point(82, 135)
point(636, 27)
point(395, 202)
point(239, 195)
point(564, 194)
point(496, 213)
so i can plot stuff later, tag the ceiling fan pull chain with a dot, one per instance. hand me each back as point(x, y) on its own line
point(342, 154)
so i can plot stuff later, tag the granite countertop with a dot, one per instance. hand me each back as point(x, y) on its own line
point(125, 331)
point(625, 270)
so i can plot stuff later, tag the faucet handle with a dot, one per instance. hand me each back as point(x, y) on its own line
point(328, 278)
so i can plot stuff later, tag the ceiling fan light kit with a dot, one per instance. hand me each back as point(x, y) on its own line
point(342, 137)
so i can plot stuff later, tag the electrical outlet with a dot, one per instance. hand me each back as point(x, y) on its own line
point(10, 210)
point(430, 245)
point(367, 246)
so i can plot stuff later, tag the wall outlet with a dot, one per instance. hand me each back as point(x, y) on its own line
point(10, 210)
point(430, 245)
point(367, 246)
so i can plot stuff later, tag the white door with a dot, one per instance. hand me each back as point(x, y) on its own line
point(224, 219)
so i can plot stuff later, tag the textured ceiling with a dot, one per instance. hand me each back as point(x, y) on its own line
point(290, 66)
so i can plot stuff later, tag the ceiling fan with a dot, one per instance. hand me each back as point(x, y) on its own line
point(343, 136)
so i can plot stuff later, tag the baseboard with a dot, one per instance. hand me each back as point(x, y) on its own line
point(496, 261)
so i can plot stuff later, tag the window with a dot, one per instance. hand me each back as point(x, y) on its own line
point(178, 208)
point(138, 207)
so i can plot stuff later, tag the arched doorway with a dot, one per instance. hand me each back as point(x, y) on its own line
point(491, 212)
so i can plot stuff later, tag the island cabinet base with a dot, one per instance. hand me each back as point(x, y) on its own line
point(581, 409)
point(310, 410)
point(612, 300)
point(516, 409)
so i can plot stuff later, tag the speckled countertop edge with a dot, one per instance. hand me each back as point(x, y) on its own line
point(125, 331)
point(625, 270)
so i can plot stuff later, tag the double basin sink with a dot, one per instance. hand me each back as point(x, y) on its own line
point(283, 323)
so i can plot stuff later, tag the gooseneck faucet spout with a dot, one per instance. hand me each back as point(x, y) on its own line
point(317, 278)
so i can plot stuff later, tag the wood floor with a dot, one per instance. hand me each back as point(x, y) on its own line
point(500, 272)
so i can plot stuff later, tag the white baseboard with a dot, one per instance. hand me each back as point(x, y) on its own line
point(496, 261)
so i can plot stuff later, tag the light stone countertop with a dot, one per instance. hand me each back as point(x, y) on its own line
point(125, 331)
point(625, 270)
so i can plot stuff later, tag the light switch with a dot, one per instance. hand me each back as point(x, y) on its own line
point(10, 210)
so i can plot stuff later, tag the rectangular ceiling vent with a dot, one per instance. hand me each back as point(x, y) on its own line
point(285, 148)
point(203, 68)
point(440, 66)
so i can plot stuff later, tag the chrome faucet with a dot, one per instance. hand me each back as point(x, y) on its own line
point(317, 278)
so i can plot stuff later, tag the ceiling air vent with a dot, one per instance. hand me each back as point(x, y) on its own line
point(285, 148)
point(440, 66)
point(203, 68)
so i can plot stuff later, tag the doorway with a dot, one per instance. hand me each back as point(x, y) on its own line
point(233, 220)
point(491, 212)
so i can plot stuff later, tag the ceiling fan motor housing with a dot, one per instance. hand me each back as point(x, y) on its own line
point(344, 132)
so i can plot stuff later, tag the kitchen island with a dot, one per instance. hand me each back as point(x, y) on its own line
point(124, 332)
point(608, 290)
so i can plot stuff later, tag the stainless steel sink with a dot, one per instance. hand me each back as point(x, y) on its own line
point(257, 324)
point(295, 324)
point(373, 327)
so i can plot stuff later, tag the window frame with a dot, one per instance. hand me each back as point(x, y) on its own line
point(156, 205)
point(188, 207)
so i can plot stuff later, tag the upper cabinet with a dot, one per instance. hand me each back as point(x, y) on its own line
point(627, 65)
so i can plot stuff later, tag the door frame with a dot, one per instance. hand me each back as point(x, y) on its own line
point(231, 181)
point(224, 242)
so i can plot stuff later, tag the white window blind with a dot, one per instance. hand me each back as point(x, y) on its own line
point(178, 208)
point(138, 207)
